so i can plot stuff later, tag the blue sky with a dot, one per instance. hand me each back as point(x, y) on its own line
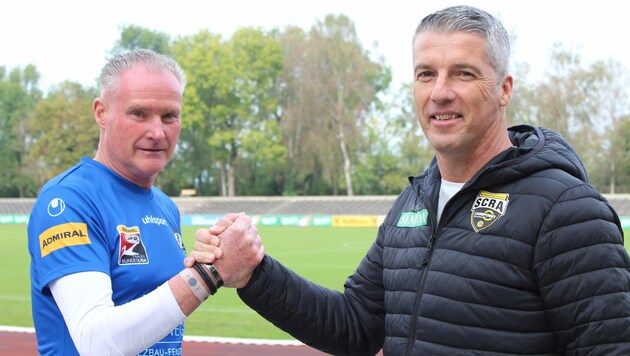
point(69, 39)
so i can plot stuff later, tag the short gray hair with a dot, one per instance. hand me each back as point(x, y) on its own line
point(472, 20)
point(119, 63)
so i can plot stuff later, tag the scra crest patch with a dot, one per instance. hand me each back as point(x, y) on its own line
point(487, 209)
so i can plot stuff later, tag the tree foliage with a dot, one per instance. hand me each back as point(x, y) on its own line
point(18, 96)
point(133, 37)
point(588, 105)
point(331, 84)
point(301, 112)
point(63, 130)
point(231, 97)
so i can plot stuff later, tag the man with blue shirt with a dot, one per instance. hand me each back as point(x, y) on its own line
point(107, 256)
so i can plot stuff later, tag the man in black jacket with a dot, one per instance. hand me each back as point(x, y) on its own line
point(500, 247)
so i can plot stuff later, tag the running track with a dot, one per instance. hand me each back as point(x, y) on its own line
point(16, 341)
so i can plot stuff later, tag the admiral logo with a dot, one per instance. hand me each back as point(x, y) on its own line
point(413, 219)
point(63, 235)
point(487, 209)
point(131, 250)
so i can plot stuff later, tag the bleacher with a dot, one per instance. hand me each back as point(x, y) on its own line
point(311, 205)
point(16, 206)
point(362, 205)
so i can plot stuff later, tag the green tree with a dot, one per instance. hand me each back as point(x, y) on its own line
point(18, 96)
point(262, 170)
point(62, 130)
point(414, 148)
point(557, 98)
point(133, 37)
point(252, 132)
point(195, 161)
point(348, 84)
point(585, 105)
point(378, 170)
point(396, 148)
point(231, 97)
point(607, 85)
point(299, 108)
point(332, 86)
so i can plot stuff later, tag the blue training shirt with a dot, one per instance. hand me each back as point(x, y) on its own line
point(91, 219)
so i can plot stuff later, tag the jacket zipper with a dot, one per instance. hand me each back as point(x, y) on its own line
point(425, 263)
point(416, 307)
point(427, 257)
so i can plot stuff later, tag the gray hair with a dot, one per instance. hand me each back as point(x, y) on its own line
point(152, 60)
point(472, 20)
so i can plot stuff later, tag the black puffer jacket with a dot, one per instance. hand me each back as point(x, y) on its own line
point(527, 260)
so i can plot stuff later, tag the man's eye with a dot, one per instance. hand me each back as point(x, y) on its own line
point(170, 117)
point(424, 75)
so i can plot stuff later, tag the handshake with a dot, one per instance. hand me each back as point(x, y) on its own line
point(232, 245)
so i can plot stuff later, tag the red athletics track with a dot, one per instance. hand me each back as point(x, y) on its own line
point(22, 343)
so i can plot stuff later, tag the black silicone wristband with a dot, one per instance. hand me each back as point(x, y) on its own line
point(206, 277)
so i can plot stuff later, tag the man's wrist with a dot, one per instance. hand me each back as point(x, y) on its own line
point(194, 284)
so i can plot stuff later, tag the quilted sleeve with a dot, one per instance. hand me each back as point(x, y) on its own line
point(583, 272)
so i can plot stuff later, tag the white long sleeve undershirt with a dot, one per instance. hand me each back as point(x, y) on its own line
point(97, 327)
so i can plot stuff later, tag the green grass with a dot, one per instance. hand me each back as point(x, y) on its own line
point(322, 254)
point(15, 297)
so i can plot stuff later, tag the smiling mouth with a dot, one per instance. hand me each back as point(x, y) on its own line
point(445, 117)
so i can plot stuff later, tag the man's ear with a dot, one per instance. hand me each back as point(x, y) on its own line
point(507, 86)
point(100, 112)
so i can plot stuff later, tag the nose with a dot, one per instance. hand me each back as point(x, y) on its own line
point(155, 129)
point(442, 90)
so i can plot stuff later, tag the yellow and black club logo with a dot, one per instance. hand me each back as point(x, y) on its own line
point(487, 209)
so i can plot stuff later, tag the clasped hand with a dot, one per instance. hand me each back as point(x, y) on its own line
point(232, 245)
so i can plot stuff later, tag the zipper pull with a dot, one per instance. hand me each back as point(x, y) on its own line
point(425, 261)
